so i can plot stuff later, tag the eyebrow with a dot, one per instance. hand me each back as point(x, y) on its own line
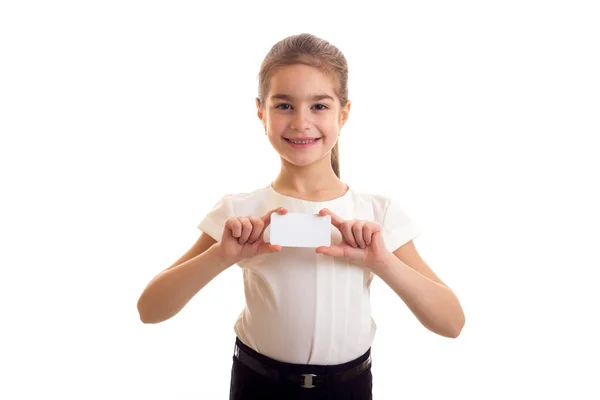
point(315, 97)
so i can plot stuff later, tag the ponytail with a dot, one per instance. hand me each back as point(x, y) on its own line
point(335, 159)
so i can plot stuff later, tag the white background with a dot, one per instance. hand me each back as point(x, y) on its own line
point(123, 122)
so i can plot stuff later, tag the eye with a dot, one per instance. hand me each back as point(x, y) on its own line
point(320, 107)
point(283, 106)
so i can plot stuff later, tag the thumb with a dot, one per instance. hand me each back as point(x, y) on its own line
point(265, 247)
point(377, 241)
point(267, 217)
point(334, 251)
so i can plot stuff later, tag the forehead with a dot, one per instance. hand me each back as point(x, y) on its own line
point(301, 81)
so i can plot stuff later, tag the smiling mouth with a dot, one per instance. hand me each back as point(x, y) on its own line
point(302, 141)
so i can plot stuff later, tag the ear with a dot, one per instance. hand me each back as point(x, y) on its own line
point(344, 113)
point(259, 110)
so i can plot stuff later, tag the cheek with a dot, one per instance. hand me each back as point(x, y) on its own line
point(329, 126)
point(276, 125)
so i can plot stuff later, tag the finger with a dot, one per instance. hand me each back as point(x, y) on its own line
point(257, 229)
point(267, 217)
point(335, 220)
point(367, 233)
point(234, 226)
point(377, 237)
point(246, 230)
point(346, 230)
point(334, 251)
point(357, 231)
point(268, 248)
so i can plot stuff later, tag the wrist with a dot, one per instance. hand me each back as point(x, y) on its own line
point(383, 263)
point(220, 258)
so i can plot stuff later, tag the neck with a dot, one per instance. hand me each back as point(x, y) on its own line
point(315, 178)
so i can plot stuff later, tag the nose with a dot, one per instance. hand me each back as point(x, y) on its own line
point(301, 120)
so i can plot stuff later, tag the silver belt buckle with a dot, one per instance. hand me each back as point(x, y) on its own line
point(308, 381)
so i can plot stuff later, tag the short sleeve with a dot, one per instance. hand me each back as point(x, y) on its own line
point(397, 227)
point(214, 222)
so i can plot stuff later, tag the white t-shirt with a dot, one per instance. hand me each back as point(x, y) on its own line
point(303, 307)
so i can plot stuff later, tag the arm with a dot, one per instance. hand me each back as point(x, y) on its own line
point(431, 301)
point(403, 270)
point(174, 287)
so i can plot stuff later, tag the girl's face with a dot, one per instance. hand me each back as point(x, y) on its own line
point(302, 115)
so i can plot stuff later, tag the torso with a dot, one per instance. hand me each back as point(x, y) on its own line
point(303, 307)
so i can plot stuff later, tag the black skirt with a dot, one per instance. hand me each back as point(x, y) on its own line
point(256, 376)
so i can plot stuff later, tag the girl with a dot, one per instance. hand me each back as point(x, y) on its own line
point(306, 330)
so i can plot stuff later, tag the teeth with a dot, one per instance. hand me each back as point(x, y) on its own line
point(301, 141)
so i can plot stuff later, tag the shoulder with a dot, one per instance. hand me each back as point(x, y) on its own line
point(232, 205)
point(386, 209)
point(377, 202)
point(245, 202)
point(398, 227)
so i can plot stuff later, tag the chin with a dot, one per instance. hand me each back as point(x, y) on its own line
point(299, 163)
point(303, 161)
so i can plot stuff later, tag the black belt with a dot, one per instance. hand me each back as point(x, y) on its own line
point(304, 380)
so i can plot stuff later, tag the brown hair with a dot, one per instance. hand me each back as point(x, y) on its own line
point(313, 51)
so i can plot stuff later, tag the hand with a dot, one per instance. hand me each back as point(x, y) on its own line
point(362, 242)
point(243, 237)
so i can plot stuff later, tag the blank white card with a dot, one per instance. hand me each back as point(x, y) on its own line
point(300, 230)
